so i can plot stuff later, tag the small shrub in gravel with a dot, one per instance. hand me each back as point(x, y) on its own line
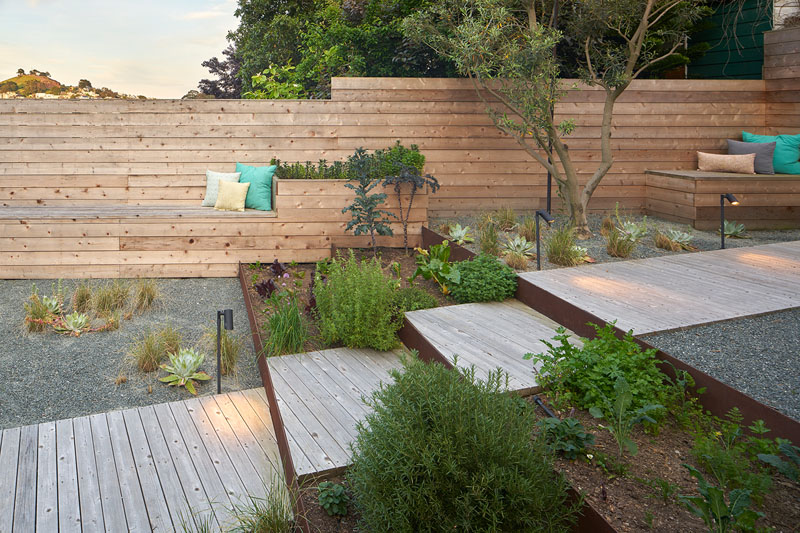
point(443, 451)
point(505, 218)
point(413, 299)
point(561, 249)
point(153, 347)
point(82, 298)
point(619, 244)
point(484, 279)
point(355, 305)
point(145, 293)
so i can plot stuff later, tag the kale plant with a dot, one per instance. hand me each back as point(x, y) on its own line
point(367, 217)
point(567, 437)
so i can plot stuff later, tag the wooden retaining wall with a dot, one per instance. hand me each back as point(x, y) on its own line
point(782, 78)
point(156, 151)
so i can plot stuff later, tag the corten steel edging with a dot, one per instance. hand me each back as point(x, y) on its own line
point(719, 398)
point(412, 338)
point(457, 252)
point(274, 412)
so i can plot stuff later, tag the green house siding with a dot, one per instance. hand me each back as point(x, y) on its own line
point(727, 59)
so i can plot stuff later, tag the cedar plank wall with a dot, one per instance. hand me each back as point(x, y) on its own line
point(156, 151)
point(659, 124)
point(782, 75)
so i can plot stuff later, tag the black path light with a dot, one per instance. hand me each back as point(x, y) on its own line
point(227, 315)
point(732, 199)
point(547, 218)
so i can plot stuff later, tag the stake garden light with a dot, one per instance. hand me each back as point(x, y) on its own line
point(227, 315)
point(732, 199)
point(547, 218)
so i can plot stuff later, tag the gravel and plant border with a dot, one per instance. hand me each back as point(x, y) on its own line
point(48, 376)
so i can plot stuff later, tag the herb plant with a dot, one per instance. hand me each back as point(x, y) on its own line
point(333, 498)
point(413, 299)
point(584, 374)
point(367, 217)
point(182, 369)
point(484, 279)
point(567, 436)
point(434, 263)
point(286, 328)
point(355, 305)
point(621, 418)
point(719, 515)
point(444, 451)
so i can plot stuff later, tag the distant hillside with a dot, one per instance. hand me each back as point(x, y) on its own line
point(37, 84)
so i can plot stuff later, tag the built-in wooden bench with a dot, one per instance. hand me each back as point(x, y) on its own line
point(767, 201)
point(85, 239)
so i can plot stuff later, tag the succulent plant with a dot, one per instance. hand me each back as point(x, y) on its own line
point(73, 324)
point(732, 229)
point(52, 303)
point(183, 369)
point(461, 235)
point(519, 245)
point(635, 231)
point(681, 237)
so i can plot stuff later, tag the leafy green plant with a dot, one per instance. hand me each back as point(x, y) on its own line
point(444, 451)
point(286, 328)
point(711, 506)
point(367, 217)
point(311, 171)
point(519, 245)
point(401, 168)
point(434, 263)
point(791, 468)
point(82, 298)
point(621, 418)
point(488, 239)
point(734, 230)
point(684, 406)
point(484, 279)
point(355, 305)
point(72, 324)
point(663, 489)
point(275, 82)
point(567, 436)
point(583, 374)
point(413, 299)
point(183, 369)
point(145, 293)
point(460, 235)
point(333, 498)
point(505, 218)
point(560, 247)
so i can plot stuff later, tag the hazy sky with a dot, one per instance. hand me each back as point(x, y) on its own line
point(144, 47)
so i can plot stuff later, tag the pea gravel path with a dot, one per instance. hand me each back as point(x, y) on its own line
point(47, 376)
point(760, 356)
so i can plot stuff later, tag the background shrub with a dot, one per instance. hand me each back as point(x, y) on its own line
point(355, 306)
point(413, 299)
point(443, 451)
point(484, 279)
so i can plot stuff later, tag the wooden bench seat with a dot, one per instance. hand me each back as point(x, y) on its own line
point(125, 212)
point(767, 201)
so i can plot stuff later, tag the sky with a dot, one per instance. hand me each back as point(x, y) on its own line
point(147, 47)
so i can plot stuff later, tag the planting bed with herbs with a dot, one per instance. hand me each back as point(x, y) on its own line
point(646, 454)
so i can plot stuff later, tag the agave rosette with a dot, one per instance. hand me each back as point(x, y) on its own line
point(183, 369)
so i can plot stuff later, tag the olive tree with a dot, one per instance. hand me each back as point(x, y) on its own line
point(506, 47)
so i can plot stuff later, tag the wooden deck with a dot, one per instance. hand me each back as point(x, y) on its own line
point(152, 468)
point(320, 399)
point(680, 291)
point(489, 336)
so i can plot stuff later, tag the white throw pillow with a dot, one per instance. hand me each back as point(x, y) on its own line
point(212, 185)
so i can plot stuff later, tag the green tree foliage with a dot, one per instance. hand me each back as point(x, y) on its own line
point(228, 84)
point(506, 47)
point(8, 86)
point(331, 38)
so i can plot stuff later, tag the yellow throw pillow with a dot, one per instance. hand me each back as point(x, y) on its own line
point(231, 196)
point(741, 164)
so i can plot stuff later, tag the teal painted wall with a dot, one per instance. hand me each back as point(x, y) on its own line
point(723, 60)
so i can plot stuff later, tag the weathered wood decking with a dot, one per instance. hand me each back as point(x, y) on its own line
point(488, 336)
point(679, 291)
point(320, 399)
point(151, 468)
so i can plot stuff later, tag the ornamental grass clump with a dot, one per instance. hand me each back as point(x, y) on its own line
point(82, 298)
point(488, 239)
point(145, 293)
point(231, 347)
point(484, 279)
point(561, 249)
point(111, 297)
point(356, 304)
point(153, 346)
point(444, 451)
point(287, 330)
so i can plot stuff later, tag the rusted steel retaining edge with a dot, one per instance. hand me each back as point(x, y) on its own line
point(275, 413)
point(719, 398)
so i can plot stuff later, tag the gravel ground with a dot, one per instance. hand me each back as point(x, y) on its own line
point(759, 356)
point(47, 376)
point(596, 246)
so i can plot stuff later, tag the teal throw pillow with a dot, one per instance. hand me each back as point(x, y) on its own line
point(259, 195)
point(786, 159)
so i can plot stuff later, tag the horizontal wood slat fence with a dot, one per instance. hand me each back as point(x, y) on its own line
point(154, 153)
